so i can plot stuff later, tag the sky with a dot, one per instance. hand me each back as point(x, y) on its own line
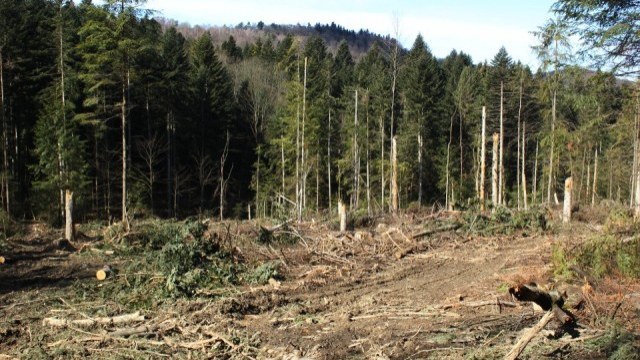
point(477, 27)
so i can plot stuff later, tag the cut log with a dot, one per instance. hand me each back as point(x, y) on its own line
point(2, 260)
point(104, 273)
point(115, 320)
point(522, 343)
point(451, 227)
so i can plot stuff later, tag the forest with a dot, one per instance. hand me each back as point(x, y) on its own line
point(292, 191)
point(135, 119)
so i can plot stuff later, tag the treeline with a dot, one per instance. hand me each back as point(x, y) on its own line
point(104, 107)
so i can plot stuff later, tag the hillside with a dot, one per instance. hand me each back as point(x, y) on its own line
point(244, 34)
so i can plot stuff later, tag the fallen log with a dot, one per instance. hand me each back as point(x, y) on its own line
point(451, 227)
point(522, 343)
point(551, 300)
point(114, 320)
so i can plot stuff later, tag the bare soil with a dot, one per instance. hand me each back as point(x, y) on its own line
point(374, 292)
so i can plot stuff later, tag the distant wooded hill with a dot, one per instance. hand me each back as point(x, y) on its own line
point(246, 34)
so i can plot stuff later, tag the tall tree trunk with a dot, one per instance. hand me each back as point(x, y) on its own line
point(258, 184)
point(368, 173)
point(123, 110)
point(483, 155)
point(169, 163)
point(595, 179)
point(223, 181)
point(302, 149)
point(551, 152)
point(501, 175)
point(382, 183)
point(298, 151)
point(495, 173)
point(356, 168)
point(61, 169)
point(328, 163)
point(535, 177)
point(636, 156)
point(5, 171)
point(448, 186)
point(523, 177)
point(419, 169)
point(394, 175)
point(581, 179)
point(518, 157)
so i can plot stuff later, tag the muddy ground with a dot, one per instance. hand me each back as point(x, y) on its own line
point(379, 291)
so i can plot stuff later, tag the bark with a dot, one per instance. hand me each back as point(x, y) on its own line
point(483, 155)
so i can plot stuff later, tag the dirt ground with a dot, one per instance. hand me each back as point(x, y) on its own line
point(380, 291)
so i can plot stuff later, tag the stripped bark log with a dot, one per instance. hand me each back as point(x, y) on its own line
point(115, 320)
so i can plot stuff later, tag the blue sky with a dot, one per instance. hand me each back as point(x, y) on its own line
point(476, 27)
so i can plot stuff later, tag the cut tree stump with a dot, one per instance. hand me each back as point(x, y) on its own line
point(64, 244)
point(104, 273)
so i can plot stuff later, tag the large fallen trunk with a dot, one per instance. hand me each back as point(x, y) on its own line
point(551, 300)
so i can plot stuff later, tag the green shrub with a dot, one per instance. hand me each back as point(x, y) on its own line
point(264, 272)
